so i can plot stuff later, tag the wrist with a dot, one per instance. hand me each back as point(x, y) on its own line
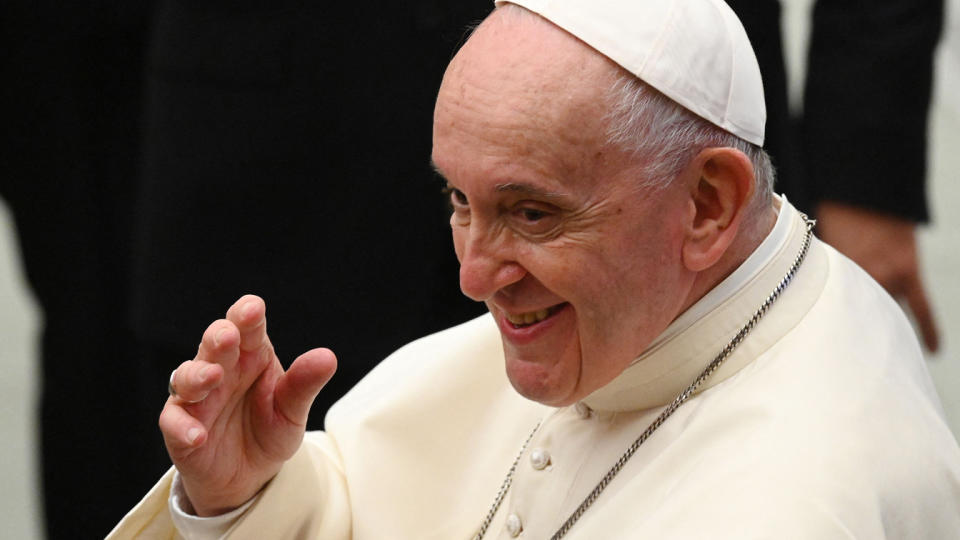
point(201, 502)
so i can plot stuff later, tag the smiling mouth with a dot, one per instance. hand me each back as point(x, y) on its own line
point(522, 320)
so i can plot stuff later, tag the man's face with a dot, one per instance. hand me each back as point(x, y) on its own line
point(580, 268)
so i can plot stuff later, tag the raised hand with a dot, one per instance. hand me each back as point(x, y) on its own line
point(237, 416)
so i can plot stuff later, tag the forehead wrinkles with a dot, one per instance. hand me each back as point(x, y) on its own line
point(534, 88)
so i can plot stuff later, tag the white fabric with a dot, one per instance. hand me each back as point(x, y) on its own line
point(695, 52)
point(193, 527)
point(822, 424)
point(196, 528)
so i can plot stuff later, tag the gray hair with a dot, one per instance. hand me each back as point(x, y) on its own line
point(661, 133)
point(665, 137)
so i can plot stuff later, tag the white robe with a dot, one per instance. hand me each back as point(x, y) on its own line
point(822, 424)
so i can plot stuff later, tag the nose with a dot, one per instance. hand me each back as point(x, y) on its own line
point(486, 266)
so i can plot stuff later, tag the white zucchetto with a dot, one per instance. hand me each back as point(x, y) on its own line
point(695, 52)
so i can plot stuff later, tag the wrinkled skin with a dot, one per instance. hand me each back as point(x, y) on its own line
point(549, 224)
point(548, 217)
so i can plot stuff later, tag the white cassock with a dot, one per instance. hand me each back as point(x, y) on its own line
point(822, 424)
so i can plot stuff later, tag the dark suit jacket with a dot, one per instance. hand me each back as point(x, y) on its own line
point(862, 138)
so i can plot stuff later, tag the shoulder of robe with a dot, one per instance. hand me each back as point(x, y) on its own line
point(430, 371)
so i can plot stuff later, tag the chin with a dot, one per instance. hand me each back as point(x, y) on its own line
point(538, 383)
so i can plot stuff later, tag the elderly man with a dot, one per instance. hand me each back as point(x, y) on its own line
point(682, 358)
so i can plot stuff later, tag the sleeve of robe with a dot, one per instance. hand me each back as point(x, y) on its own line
point(867, 96)
point(307, 499)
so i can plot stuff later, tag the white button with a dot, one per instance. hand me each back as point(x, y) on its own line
point(539, 458)
point(582, 409)
point(514, 525)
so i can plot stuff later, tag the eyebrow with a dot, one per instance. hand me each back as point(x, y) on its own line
point(522, 188)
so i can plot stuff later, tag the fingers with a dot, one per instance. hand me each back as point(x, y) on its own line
point(219, 344)
point(249, 315)
point(297, 388)
point(193, 380)
point(181, 432)
point(917, 301)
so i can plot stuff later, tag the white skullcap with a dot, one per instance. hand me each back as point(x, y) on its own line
point(695, 52)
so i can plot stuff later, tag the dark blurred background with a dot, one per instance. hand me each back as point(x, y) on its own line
point(160, 159)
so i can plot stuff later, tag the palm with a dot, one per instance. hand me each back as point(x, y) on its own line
point(251, 415)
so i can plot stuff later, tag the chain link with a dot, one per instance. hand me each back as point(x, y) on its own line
point(504, 487)
point(669, 410)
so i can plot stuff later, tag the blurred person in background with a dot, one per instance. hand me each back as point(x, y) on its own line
point(856, 156)
point(131, 133)
point(69, 156)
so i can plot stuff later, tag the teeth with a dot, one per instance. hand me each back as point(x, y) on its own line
point(528, 318)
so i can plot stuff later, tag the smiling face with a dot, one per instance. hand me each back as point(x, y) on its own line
point(579, 266)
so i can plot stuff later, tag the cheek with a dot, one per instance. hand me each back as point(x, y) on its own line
point(628, 285)
point(459, 239)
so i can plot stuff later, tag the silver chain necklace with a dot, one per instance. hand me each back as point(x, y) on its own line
point(671, 408)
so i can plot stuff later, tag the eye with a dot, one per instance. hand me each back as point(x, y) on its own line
point(532, 214)
point(457, 197)
point(459, 206)
point(536, 218)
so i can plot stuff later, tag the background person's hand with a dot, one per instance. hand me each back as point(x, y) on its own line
point(886, 247)
point(237, 415)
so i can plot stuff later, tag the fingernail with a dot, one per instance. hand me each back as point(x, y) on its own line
point(246, 310)
point(204, 371)
point(192, 435)
point(218, 335)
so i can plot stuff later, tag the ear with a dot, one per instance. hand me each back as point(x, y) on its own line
point(720, 182)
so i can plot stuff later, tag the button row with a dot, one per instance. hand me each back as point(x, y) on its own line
point(539, 460)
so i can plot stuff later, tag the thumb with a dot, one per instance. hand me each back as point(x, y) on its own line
point(917, 300)
point(297, 388)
